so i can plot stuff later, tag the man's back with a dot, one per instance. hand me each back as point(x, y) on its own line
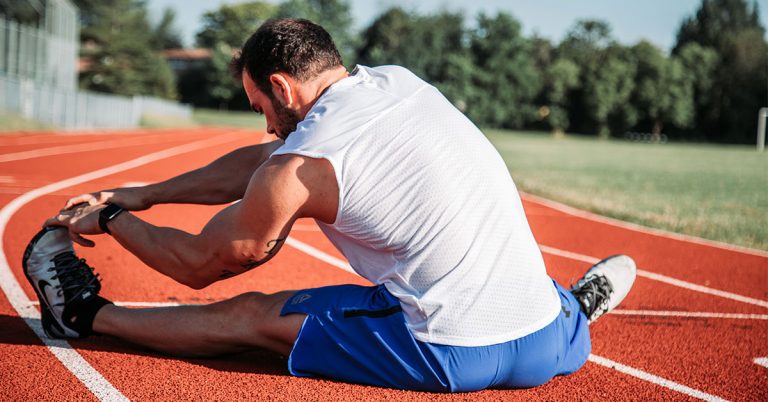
point(427, 207)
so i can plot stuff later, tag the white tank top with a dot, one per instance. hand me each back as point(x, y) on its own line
point(427, 208)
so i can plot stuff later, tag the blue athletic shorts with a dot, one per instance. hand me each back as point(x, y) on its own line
point(358, 334)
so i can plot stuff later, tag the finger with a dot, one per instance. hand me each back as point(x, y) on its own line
point(104, 196)
point(54, 221)
point(82, 198)
point(81, 240)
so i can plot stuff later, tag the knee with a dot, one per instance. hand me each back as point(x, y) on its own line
point(255, 313)
point(252, 305)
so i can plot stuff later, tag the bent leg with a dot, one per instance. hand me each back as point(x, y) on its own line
point(244, 322)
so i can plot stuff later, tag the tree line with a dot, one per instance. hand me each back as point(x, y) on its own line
point(708, 88)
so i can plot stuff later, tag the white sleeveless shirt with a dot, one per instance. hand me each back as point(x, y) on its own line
point(427, 208)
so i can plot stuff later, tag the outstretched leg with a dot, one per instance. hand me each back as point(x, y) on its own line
point(251, 320)
point(70, 307)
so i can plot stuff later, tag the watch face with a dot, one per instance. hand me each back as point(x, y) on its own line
point(110, 210)
point(107, 214)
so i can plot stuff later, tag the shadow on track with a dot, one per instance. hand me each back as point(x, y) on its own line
point(14, 331)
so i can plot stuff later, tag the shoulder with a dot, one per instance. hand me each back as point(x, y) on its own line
point(303, 185)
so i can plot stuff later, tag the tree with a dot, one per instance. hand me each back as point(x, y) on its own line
point(743, 85)
point(166, 36)
point(441, 57)
point(334, 15)
point(224, 30)
point(700, 63)
point(507, 81)
point(607, 88)
point(118, 46)
point(732, 29)
point(715, 20)
point(221, 87)
point(389, 40)
point(606, 73)
point(560, 78)
point(586, 40)
point(231, 24)
point(662, 93)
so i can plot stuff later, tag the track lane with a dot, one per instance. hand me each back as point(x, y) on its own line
point(721, 269)
point(284, 272)
point(21, 302)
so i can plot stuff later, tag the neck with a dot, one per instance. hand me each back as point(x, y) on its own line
point(311, 91)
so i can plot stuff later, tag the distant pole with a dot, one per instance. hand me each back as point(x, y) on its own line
point(761, 128)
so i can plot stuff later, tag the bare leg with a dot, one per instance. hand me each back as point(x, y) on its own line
point(245, 322)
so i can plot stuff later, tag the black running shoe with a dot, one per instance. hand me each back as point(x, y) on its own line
point(64, 283)
point(605, 285)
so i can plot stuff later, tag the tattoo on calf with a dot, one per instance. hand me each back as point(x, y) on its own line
point(273, 245)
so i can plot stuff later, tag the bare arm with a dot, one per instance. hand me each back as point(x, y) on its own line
point(223, 180)
point(242, 236)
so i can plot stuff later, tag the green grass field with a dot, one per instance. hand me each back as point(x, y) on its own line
point(711, 191)
point(14, 123)
point(209, 117)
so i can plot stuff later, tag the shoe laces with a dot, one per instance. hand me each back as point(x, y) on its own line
point(593, 293)
point(75, 276)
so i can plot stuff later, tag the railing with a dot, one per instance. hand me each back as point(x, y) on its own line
point(48, 53)
point(74, 109)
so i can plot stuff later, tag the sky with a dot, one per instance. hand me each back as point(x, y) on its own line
point(631, 20)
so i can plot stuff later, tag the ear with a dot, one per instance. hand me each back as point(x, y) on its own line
point(282, 87)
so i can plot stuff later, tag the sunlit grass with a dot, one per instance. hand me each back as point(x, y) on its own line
point(242, 119)
point(711, 191)
point(16, 123)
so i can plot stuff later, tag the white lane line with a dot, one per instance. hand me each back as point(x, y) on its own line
point(69, 357)
point(320, 255)
point(640, 228)
point(643, 375)
point(762, 361)
point(89, 146)
point(661, 278)
point(138, 304)
point(692, 314)
point(134, 184)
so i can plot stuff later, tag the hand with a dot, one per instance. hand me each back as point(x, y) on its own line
point(130, 198)
point(80, 220)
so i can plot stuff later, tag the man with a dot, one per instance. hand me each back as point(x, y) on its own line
point(406, 187)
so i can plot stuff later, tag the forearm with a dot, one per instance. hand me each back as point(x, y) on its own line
point(171, 252)
point(222, 181)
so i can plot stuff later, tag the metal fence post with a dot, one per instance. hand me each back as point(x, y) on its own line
point(761, 116)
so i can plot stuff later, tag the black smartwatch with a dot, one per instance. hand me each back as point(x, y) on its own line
point(107, 214)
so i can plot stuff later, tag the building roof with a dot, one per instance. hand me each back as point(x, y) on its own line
point(187, 54)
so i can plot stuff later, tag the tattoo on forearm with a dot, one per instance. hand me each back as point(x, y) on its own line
point(226, 274)
point(273, 245)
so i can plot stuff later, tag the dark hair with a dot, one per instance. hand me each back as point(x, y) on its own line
point(297, 47)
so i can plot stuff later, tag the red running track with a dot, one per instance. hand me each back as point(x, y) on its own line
point(695, 325)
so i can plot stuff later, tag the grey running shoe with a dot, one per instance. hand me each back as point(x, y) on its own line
point(63, 282)
point(605, 285)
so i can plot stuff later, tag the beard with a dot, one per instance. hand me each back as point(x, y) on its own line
point(287, 119)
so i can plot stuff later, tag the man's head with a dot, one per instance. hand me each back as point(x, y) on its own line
point(278, 65)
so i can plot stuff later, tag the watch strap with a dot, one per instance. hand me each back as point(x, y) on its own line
point(107, 214)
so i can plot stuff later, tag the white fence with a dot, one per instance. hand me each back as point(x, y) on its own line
point(45, 51)
point(73, 109)
point(38, 79)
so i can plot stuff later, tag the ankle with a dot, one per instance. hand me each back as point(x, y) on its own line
point(81, 316)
